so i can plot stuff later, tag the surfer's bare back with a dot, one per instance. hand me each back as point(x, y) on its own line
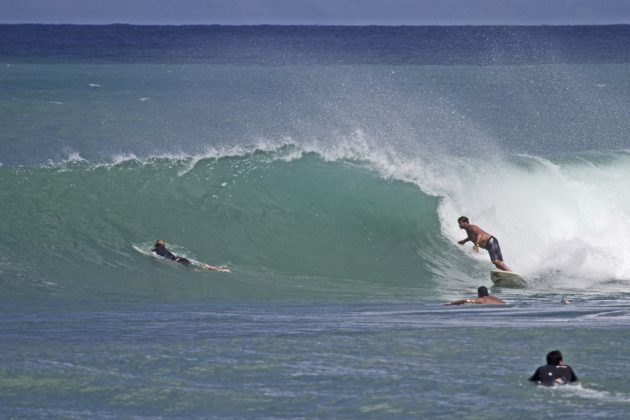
point(483, 298)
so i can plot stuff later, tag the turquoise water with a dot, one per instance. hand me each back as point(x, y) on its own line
point(327, 170)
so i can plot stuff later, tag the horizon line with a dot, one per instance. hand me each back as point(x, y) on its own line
point(315, 24)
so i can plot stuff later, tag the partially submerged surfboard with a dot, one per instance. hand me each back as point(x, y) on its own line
point(507, 279)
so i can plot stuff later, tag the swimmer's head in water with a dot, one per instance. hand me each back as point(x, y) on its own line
point(554, 358)
point(160, 243)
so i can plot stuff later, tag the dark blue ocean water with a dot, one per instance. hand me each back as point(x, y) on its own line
point(326, 166)
point(316, 45)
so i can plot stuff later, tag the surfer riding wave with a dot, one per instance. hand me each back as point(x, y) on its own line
point(482, 239)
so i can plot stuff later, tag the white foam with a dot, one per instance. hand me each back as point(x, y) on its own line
point(123, 158)
point(564, 223)
point(73, 157)
point(579, 390)
point(572, 218)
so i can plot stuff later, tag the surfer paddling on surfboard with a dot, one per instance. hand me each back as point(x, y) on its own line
point(482, 239)
point(483, 298)
point(160, 249)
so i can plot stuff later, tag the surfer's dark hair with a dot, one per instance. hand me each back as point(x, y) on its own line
point(463, 219)
point(482, 291)
point(554, 357)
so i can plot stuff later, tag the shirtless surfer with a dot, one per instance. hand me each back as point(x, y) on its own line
point(483, 239)
point(483, 298)
point(160, 249)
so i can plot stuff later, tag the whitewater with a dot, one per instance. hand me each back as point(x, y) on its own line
point(326, 167)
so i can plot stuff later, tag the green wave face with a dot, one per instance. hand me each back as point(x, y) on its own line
point(302, 228)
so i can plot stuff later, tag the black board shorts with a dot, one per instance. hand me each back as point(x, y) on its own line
point(493, 248)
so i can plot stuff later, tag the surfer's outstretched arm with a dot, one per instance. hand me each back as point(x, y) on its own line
point(460, 302)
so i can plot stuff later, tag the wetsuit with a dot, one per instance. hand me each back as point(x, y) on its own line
point(493, 248)
point(163, 252)
point(554, 375)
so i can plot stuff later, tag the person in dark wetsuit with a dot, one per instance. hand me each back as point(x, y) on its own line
point(555, 372)
point(160, 249)
point(482, 239)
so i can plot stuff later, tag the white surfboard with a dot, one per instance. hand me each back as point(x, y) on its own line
point(142, 250)
point(507, 279)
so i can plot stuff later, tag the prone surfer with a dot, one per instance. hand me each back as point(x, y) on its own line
point(160, 249)
point(482, 239)
point(482, 298)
